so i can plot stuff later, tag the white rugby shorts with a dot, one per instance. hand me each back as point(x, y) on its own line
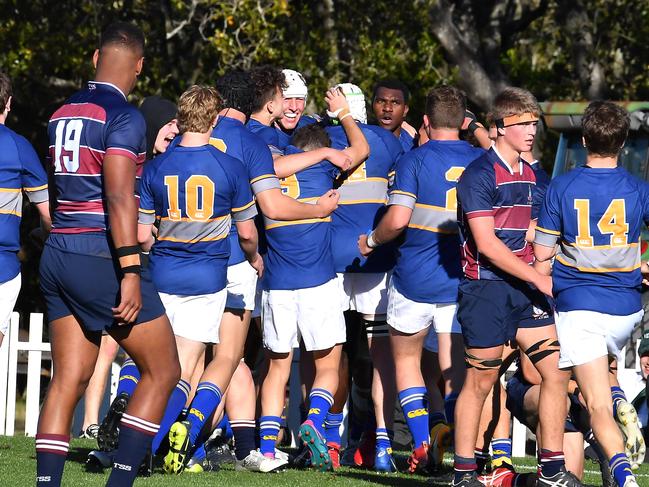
point(313, 314)
point(587, 335)
point(366, 293)
point(9, 291)
point(242, 286)
point(408, 316)
point(197, 317)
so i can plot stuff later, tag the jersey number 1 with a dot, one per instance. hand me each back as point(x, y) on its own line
point(199, 198)
point(613, 223)
point(66, 146)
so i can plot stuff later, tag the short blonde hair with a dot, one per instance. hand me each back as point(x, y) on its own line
point(197, 109)
point(513, 101)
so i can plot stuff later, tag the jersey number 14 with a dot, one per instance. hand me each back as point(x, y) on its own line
point(613, 222)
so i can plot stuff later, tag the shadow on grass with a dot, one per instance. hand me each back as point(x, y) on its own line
point(387, 479)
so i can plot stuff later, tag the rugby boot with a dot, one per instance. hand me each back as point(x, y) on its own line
point(562, 479)
point(108, 433)
point(334, 454)
point(383, 461)
point(316, 444)
point(634, 445)
point(418, 459)
point(179, 447)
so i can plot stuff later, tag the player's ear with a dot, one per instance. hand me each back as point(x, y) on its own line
point(583, 142)
point(8, 105)
point(95, 58)
point(138, 67)
point(405, 109)
point(426, 121)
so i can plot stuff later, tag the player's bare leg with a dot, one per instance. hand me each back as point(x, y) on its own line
point(554, 384)
point(432, 374)
point(97, 386)
point(383, 395)
point(407, 351)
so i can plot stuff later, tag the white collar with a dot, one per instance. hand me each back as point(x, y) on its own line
point(109, 84)
point(511, 171)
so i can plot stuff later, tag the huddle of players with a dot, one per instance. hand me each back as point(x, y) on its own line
point(462, 220)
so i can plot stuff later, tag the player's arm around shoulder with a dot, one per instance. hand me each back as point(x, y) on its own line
point(548, 228)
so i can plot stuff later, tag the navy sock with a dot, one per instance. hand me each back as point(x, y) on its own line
point(135, 437)
point(435, 417)
point(449, 407)
point(414, 402)
point(51, 452)
point(129, 376)
point(320, 400)
point(617, 395)
point(551, 462)
point(481, 459)
point(332, 423)
point(268, 431)
point(244, 437)
point(463, 466)
point(620, 468)
point(175, 406)
point(207, 399)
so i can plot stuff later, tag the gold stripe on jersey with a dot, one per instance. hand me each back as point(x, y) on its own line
point(270, 224)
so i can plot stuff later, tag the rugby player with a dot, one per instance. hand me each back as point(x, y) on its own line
point(363, 282)
point(97, 145)
point(20, 171)
point(591, 221)
point(390, 107)
point(422, 294)
point(502, 295)
point(301, 297)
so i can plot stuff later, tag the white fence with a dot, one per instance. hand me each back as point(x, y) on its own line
point(35, 347)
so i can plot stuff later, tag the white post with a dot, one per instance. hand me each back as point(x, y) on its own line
point(114, 380)
point(34, 357)
point(4, 375)
point(519, 438)
point(12, 374)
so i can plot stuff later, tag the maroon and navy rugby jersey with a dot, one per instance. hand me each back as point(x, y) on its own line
point(489, 187)
point(93, 123)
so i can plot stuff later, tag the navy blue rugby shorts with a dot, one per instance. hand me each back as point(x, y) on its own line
point(491, 312)
point(80, 277)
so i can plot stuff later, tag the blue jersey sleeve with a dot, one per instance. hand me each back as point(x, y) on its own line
point(243, 206)
point(32, 178)
point(645, 200)
point(146, 212)
point(406, 187)
point(125, 136)
point(261, 169)
point(476, 191)
point(548, 228)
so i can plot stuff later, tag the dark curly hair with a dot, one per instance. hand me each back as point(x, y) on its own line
point(267, 80)
point(237, 91)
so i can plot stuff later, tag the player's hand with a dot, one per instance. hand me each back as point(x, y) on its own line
point(362, 245)
point(644, 268)
point(336, 100)
point(408, 128)
point(328, 202)
point(130, 302)
point(340, 159)
point(544, 284)
point(258, 265)
point(469, 117)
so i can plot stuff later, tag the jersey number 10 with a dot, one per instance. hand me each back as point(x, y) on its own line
point(66, 146)
point(613, 223)
point(199, 198)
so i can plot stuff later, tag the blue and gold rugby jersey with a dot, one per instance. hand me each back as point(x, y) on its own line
point(284, 138)
point(299, 251)
point(428, 266)
point(490, 187)
point(232, 137)
point(270, 135)
point(595, 216)
point(406, 140)
point(92, 124)
point(363, 198)
point(196, 192)
point(20, 170)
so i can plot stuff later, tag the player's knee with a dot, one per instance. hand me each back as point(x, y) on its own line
point(600, 408)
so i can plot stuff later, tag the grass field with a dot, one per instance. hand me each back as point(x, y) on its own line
point(18, 465)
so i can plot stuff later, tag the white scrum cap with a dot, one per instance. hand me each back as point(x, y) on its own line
point(295, 85)
point(356, 101)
